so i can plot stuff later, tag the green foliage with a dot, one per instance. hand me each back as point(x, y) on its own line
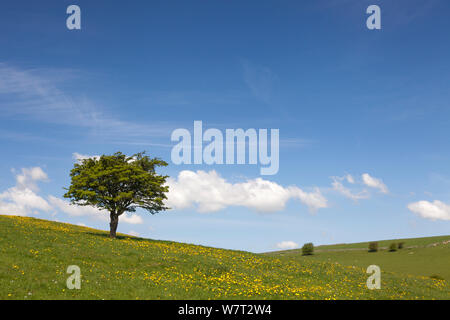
point(308, 249)
point(393, 247)
point(401, 245)
point(373, 246)
point(118, 183)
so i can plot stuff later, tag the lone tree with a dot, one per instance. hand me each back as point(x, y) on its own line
point(118, 183)
point(373, 246)
point(308, 249)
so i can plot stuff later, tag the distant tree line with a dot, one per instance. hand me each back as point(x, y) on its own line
point(394, 246)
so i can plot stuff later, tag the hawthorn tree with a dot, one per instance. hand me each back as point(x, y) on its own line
point(118, 183)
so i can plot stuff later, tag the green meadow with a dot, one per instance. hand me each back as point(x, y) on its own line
point(427, 257)
point(35, 255)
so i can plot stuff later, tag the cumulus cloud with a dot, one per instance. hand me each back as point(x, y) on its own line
point(435, 210)
point(131, 218)
point(287, 245)
point(209, 192)
point(23, 200)
point(91, 212)
point(28, 178)
point(77, 211)
point(373, 182)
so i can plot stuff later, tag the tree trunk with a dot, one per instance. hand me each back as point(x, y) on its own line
point(113, 225)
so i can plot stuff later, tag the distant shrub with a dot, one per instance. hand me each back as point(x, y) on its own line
point(308, 249)
point(393, 247)
point(436, 277)
point(373, 246)
point(401, 245)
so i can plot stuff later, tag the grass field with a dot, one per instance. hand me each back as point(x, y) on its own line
point(35, 254)
point(420, 256)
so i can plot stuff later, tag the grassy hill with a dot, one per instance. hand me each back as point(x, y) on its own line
point(35, 254)
point(420, 256)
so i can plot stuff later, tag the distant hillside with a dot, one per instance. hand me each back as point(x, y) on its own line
point(35, 254)
point(427, 257)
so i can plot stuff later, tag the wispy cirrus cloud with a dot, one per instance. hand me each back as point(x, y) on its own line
point(38, 94)
point(373, 182)
point(35, 94)
point(338, 185)
point(260, 79)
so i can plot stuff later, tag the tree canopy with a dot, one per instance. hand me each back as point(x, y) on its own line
point(119, 183)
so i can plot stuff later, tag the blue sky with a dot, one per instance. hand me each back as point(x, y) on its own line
point(347, 101)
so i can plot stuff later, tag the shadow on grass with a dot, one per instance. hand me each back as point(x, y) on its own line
point(118, 236)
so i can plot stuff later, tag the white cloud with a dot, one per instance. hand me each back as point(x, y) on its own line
point(131, 218)
point(26, 198)
point(287, 245)
point(91, 212)
point(313, 200)
point(350, 178)
point(134, 233)
point(339, 187)
point(373, 182)
point(21, 202)
point(29, 177)
point(209, 192)
point(435, 210)
point(366, 179)
point(22, 199)
point(77, 211)
point(80, 157)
